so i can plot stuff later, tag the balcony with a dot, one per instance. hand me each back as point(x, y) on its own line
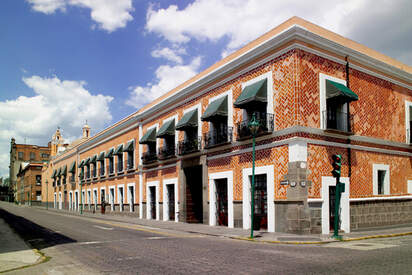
point(218, 137)
point(266, 126)
point(334, 120)
point(167, 152)
point(189, 146)
point(149, 157)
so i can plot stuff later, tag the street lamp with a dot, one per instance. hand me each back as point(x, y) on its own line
point(254, 128)
point(47, 195)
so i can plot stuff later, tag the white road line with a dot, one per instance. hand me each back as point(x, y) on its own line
point(156, 238)
point(95, 242)
point(102, 227)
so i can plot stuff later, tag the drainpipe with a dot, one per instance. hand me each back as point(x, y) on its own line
point(348, 118)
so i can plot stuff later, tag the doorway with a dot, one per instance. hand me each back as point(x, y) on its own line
point(65, 200)
point(130, 196)
point(260, 211)
point(112, 198)
point(171, 201)
point(221, 202)
point(76, 196)
point(332, 196)
point(152, 194)
point(194, 194)
point(120, 198)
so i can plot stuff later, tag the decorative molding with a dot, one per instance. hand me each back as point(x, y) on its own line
point(408, 197)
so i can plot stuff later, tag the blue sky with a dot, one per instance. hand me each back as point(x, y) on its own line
point(66, 61)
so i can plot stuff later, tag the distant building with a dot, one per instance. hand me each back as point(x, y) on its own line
point(28, 186)
point(23, 154)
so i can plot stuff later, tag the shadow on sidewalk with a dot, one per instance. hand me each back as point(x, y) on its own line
point(33, 234)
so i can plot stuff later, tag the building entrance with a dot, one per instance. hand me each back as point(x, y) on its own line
point(332, 195)
point(171, 198)
point(65, 200)
point(152, 190)
point(221, 202)
point(260, 215)
point(194, 194)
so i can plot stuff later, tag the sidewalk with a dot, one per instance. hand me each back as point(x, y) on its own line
point(239, 233)
point(14, 252)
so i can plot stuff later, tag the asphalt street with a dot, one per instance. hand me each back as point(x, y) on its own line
point(81, 245)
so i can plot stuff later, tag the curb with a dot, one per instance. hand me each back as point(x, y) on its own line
point(43, 259)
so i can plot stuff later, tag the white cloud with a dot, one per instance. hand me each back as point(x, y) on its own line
point(56, 102)
point(108, 14)
point(48, 6)
point(242, 21)
point(167, 78)
point(170, 54)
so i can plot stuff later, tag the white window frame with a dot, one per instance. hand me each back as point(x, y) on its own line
point(157, 129)
point(171, 181)
point(199, 114)
point(408, 105)
point(269, 170)
point(55, 200)
point(114, 163)
point(70, 200)
point(140, 196)
point(228, 175)
point(95, 197)
point(100, 165)
point(131, 208)
point(140, 145)
point(83, 198)
point(76, 203)
point(89, 198)
point(409, 186)
point(112, 199)
point(60, 201)
point(176, 118)
point(270, 107)
point(229, 95)
point(134, 154)
point(148, 208)
point(322, 95)
point(122, 202)
point(117, 158)
point(387, 181)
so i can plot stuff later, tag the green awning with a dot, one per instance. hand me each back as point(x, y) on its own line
point(167, 129)
point(72, 168)
point(339, 91)
point(187, 121)
point(119, 150)
point(81, 164)
point(64, 170)
point(101, 156)
point(256, 92)
point(216, 108)
point(149, 137)
point(129, 146)
point(109, 153)
point(59, 172)
point(93, 159)
point(54, 174)
point(87, 161)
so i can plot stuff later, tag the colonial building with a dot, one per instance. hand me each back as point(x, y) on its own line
point(28, 186)
point(20, 156)
point(187, 156)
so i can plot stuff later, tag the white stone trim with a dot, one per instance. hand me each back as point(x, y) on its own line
point(120, 197)
point(89, 198)
point(129, 195)
point(387, 181)
point(409, 186)
point(172, 181)
point(322, 94)
point(148, 199)
point(408, 115)
point(298, 150)
point(344, 204)
point(105, 194)
point(140, 145)
point(60, 200)
point(212, 197)
point(70, 200)
point(112, 196)
point(229, 95)
point(314, 200)
point(141, 196)
point(95, 197)
point(381, 198)
point(246, 202)
point(76, 200)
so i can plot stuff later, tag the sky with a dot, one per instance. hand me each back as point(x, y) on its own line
point(65, 62)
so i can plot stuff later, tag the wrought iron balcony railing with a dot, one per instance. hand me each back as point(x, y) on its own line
point(266, 126)
point(189, 146)
point(149, 157)
point(166, 152)
point(336, 120)
point(218, 136)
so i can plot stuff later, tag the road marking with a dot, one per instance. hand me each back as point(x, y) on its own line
point(102, 227)
point(156, 238)
point(95, 242)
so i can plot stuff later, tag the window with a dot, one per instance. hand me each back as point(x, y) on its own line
point(381, 179)
point(408, 121)
point(38, 195)
point(111, 165)
point(149, 138)
point(32, 156)
point(120, 162)
point(20, 155)
point(44, 156)
point(335, 97)
point(102, 167)
point(191, 125)
point(38, 179)
point(129, 149)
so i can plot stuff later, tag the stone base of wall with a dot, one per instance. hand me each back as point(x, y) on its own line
point(380, 213)
point(292, 217)
point(315, 217)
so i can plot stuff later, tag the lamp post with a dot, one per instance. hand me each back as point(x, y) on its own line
point(47, 195)
point(254, 128)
